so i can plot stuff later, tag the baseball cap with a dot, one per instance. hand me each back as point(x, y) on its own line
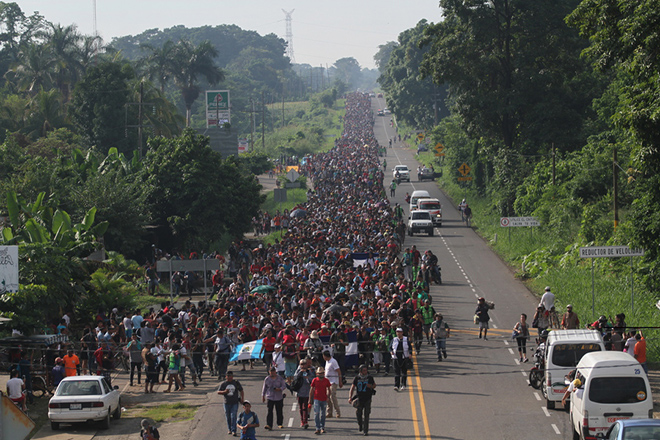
point(399, 329)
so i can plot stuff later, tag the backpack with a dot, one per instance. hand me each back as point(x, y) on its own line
point(297, 383)
point(290, 351)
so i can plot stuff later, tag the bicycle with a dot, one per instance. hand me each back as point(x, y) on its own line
point(120, 360)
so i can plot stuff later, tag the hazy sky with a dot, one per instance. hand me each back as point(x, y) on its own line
point(323, 31)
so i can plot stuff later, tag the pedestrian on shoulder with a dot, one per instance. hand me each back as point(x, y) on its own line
point(570, 319)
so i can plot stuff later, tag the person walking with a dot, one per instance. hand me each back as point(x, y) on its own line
point(482, 317)
point(362, 390)
point(467, 214)
point(393, 188)
point(134, 349)
point(400, 356)
point(319, 390)
point(223, 346)
point(71, 363)
point(333, 374)
point(521, 334)
point(307, 376)
point(639, 352)
point(570, 319)
point(273, 392)
point(440, 331)
point(173, 371)
point(234, 395)
point(247, 422)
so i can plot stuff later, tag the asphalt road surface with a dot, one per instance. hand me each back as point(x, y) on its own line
point(479, 391)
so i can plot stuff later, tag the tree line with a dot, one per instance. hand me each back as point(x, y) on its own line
point(538, 97)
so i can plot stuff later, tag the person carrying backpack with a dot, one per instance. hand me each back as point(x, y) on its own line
point(148, 432)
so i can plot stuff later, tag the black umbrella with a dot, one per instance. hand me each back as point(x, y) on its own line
point(298, 213)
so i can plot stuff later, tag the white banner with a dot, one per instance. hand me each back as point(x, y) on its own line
point(8, 269)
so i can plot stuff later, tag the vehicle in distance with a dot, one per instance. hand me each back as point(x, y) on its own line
point(387, 111)
point(420, 221)
point(380, 95)
point(380, 112)
point(632, 429)
point(426, 174)
point(404, 172)
point(432, 206)
point(84, 399)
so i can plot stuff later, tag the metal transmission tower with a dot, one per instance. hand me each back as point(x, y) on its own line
point(289, 36)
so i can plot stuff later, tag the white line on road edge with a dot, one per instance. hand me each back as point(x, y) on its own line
point(545, 411)
point(511, 351)
point(506, 342)
point(555, 428)
point(494, 325)
point(286, 436)
point(524, 373)
point(537, 395)
point(290, 422)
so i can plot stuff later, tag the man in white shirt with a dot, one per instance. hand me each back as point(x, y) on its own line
point(333, 374)
point(548, 300)
point(15, 387)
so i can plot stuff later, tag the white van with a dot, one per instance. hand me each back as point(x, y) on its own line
point(433, 207)
point(415, 196)
point(614, 387)
point(563, 351)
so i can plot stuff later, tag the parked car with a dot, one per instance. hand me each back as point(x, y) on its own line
point(632, 429)
point(380, 95)
point(84, 399)
point(420, 221)
point(404, 172)
point(426, 174)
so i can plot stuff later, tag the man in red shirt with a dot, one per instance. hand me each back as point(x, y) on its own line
point(319, 391)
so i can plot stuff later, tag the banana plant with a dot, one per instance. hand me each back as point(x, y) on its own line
point(36, 223)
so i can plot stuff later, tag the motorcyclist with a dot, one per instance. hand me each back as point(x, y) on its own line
point(431, 261)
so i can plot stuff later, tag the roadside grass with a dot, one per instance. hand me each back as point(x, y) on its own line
point(294, 196)
point(272, 237)
point(170, 412)
point(541, 257)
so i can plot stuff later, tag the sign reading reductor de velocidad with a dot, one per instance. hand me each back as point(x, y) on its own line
point(609, 251)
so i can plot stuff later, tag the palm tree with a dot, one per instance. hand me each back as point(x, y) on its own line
point(159, 63)
point(33, 70)
point(63, 42)
point(45, 113)
point(191, 62)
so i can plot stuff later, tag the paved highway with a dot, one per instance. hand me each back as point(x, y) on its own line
point(480, 391)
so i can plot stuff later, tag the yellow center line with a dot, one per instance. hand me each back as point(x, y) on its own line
point(411, 393)
point(422, 405)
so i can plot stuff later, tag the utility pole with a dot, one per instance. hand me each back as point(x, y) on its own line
point(263, 121)
point(140, 119)
point(282, 105)
point(252, 120)
point(615, 174)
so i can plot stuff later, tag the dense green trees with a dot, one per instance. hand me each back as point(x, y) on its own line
point(416, 102)
point(515, 79)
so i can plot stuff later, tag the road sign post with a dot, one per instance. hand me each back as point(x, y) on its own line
point(515, 222)
point(594, 252)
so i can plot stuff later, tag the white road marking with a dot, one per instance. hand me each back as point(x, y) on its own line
point(294, 406)
point(537, 395)
point(555, 428)
point(524, 373)
point(286, 436)
point(511, 351)
point(290, 422)
point(506, 342)
point(545, 411)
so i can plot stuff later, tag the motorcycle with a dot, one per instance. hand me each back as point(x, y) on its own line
point(537, 372)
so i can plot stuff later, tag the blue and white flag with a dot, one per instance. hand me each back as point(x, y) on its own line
point(249, 350)
point(352, 355)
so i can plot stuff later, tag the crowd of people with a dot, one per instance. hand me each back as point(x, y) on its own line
point(341, 268)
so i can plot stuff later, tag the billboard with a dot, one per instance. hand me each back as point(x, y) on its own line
point(217, 108)
point(8, 269)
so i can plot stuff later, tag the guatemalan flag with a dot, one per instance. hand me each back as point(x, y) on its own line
point(249, 350)
point(252, 350)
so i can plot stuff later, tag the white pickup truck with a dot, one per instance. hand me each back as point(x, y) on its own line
point(420, 221)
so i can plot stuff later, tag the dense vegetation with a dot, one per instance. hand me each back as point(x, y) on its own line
point(541, 98)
